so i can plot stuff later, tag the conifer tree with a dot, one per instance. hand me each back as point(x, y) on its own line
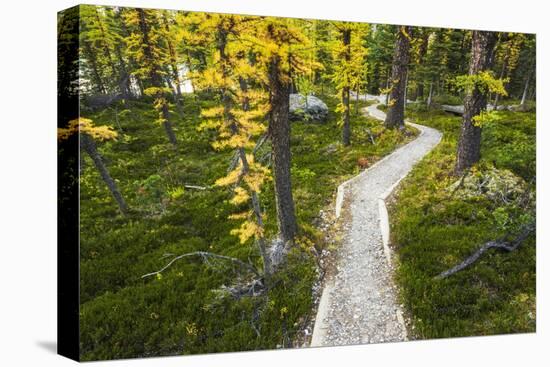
point(477, 86)
point(170, 39)
point(381, 44)
point(99, 45)
point(238, 119)
point(350, 71)
point(395, 117)
point(145, 44)
point(506, 58)
point(275, 39)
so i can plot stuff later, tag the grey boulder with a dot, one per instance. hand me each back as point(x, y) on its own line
point(310, 109)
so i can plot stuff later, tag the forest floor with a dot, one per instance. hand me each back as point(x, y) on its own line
point(359, 303)
point(186, 311)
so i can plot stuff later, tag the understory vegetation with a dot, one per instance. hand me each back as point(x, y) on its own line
point(210, 147)
point(436, 224)
point(185, 310)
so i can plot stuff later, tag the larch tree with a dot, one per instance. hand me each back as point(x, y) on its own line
point(395, 117)
point(350, 70)
point(477, 84)
point(145, 44)
point(238, 120)
point(274, 40)
point(506, 58)
point(342, 78)
point(170, 37)
point(89, 134)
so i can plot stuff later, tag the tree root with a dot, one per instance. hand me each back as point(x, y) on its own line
point(503, 245)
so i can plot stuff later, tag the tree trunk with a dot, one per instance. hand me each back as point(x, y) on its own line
point(430, 95)
point(346, 128)
point(107, 52)
point(395, 117)
point(387, 86)
point(90, 56)
point(125, 83)
point(173, 66)
point(501, 76)
point(279, 130)
point(405, 91)
point(422, 54)
point(168, 125)
point(155, 76)
point(229, 116)
point(475, 102)
point(357, 101)
point(89, 146)
point(525, 90)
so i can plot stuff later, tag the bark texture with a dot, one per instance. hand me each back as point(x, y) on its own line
point(475, 101)
point(279, 130)
point(395, 117)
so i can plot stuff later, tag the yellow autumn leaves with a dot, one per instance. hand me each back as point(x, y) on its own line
point(86, 126)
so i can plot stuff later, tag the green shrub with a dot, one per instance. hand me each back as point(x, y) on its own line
point(434, 228)
point(185, 311)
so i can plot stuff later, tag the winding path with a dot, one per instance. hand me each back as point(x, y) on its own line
point(359, 303)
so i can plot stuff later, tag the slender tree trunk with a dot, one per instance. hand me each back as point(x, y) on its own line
point(501, 76)
point(395, 117)
point(387, 87)
point(89, 146)
point(422, 54)
point(96, 75)
point(227, 101)
point(346, 128)
point(125, 83)
point(173, 67)
point(475, 102)
point(156, 78)
point(279, 131)
point(430, 95)
point(357, 101)
point(106, 49)
point(405, 91)
point(525, 91)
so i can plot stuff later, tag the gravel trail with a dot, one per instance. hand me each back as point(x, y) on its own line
point(359, 303)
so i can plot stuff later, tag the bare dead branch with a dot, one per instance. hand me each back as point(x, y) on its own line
point(502, 245)
point(204, 256)
point(195, 187)
point(371, 136)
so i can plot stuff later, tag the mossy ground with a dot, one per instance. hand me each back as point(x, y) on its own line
point(124, 316)
point(433, 231)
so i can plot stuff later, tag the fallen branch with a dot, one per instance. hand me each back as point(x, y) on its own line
point(205, 255)
point(371, 137)
point(506, 246)
point(195, 187)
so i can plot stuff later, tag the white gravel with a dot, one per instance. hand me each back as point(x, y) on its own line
point(359, 303)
